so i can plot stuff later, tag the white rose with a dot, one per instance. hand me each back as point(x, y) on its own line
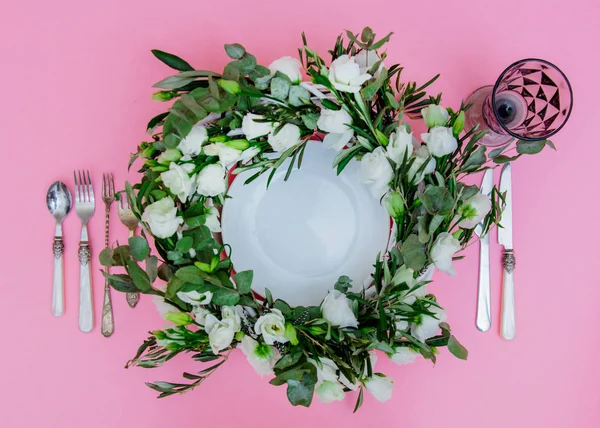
point(200, 313)
point(335, 123)
point(162, 307)
point(345, 75)
point(289, 66)
point(337, 310)
point(428, 326)
point(220, 333)
point(261, 356)
point(161, 217)
point(272, 327)
point(435, 115)
point(400, 145)
point(231, 313)
point(192, 143)
point(195, 297)
point(227, 155)
point(287, 137)
point(473, 210)
point(327, 388)
point(375, 170)
point(211, 180)
point(366, 60)
point(443, 250)
point(440, 141)
point(421, 155)
point(380, 386)
point(253, 129)
point(404, 355)
point(178, 181)
point(249, 153)
point(211, 149)
point(212, 220)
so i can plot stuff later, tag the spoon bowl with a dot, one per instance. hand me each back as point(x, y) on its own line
point(58, 200)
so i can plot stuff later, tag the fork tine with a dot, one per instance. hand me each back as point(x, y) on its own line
point(90, 187)
point(76, 188)
point(104, 192)
point(112, 185)
point(81, 187)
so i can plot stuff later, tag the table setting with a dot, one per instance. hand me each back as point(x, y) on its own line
point(323, 224)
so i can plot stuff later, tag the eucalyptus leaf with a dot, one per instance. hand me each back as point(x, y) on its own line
point(171, 60)
point(413, 252)
point(530, 147)
point(120, 282)
point(457, 349)
point(139, 248)
point(190, 274)
point(184, 244)
point(280, 88)
point(152, 268)
point(437, 200)
point(298, 95)
point(243, 281)
point(138, 276)
point(235, 50)
point(106, 257)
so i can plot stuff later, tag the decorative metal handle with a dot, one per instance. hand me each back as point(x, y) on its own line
point(484, 316)
point(132, 298)
point(507, 323)
point(86, 308)
point(107, 327)
point(58, 294)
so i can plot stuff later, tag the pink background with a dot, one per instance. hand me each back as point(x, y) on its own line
point(76, 80)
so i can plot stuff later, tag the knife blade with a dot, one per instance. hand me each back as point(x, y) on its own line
point(483, 319)
point(505, 238)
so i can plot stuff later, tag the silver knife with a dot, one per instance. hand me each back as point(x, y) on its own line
point(484, 314)
point(505, 238)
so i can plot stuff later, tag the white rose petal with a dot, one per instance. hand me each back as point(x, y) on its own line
point(178, 181)
point(231, 313)
point(380, 386)
point(335, 124)
point(375, 170)
point(220, 333)
point(211, 180)
point(337, 310)
point(191, 144)
point(435, 115)
point(200, 313)
point(421, 154)
point(345, 75)
point(288, 136)
point(253, 129)
point(328, 388)
point(366, 60)
point(400, 145)
point(440, 141)
point(428, 326)
point(474, 210)
point(404, 355)
point(195, 298)
point(161, 217)
point(249, 153)
point(443, 250)
point(211, 149)
point(261, 356)
point(289, 66)
point(272, 327)
point(212, 220)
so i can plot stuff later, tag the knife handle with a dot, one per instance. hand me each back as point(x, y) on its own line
point(484, 317)
point(507, 322)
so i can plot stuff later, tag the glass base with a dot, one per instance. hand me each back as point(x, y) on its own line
point(474, 116)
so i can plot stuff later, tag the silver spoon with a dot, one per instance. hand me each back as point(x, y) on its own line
point(59, 204)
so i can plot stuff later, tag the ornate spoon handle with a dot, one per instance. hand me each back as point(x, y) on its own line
point(108, 324)
point(58, 294)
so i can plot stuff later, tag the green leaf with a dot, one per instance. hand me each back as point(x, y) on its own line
point(280, 88)
point(498, 151)
point(106, 257)
point(468, 191)
point(138, 276)
point(298, 95)
point(190, 274)
point(243, 281)
point(139, 248)
point(222, 296)
point(184, 244)
point(457, 349)
point(371, 89)
point(235, 50)
point(164, 272)
point(505, 159)
point(194, 222)
point(413, 252)
point(359, 401)
point(156, 120)
point(530, 147)
point(121, 255)
point(120, 282)
point(171, 60)
point(437, 200)
point(173, 82)
point(477, 159)
point(287, 360)
point(152, 268)
point(550, 144)
point(283, 307)
point(343, 284)
point(310, 120)
point(328, 104)
point(300, 392)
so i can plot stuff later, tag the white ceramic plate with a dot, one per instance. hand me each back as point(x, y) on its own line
point(300, 235)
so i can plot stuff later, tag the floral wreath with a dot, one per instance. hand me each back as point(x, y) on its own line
point(252, 117)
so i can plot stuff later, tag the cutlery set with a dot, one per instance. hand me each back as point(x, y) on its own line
point(59, 204)
point(505, 231)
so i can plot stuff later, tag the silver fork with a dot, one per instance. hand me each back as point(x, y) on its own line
point(84, 207)
point(107, 327)
point(130, 221)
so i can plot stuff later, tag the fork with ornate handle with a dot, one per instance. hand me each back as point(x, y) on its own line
point(130, 221)
point(108, 196)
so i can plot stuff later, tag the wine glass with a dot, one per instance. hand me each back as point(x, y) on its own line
point(531, 100)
